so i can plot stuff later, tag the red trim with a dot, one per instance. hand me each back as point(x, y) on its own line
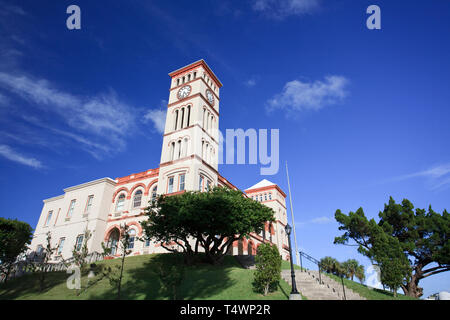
point(194, 65)
point(138, 176)
point(134, 188)
point(248, 191)
point(147, 190)
point(118, 191)
point(134, 223)
point(109, 231)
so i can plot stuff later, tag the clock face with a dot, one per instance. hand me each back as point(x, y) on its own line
point(184, 92)
point(210, 96)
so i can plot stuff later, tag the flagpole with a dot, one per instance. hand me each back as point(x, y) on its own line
point(297, 257)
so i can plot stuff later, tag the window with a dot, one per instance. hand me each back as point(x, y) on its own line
point(178, 81)
point(39, 249)
point(182, 178)
point(265, 196)
point(132, 234)
point(147, 243)
point(89, 204)
point(71, 208)
point(200, 184)
point(260, 197)
point(188, 114)
point(49, 217)
point(172, 150)
point(176, 120)
point(79, 242)
point(270, 196)
point(57, 216)
point(195, 75)
point(61, 245)
point(120, 202)
point(137, 199)
point(154, 193)
point(170, 185)
point(208, 185)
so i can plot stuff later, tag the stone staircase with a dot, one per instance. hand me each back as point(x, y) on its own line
point(309, 286)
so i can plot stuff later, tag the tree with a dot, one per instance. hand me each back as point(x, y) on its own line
point(170, 276)
point(44, 257)
point(411, 243)
point(350, 267)
point(15, 236)
point(213, 220)
point(268, 268)
point(80, 254)
point(330, 265)
point(115, 274)
point(360, 274)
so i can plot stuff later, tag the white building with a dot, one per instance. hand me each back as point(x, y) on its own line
point(189, 161)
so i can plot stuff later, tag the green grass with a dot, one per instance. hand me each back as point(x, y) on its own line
point(228, 281)
point(369, 293)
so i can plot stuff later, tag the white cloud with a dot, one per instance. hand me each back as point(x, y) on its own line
point(250, 82)
point(3, 99)
point(157, 116)
point(322, 220)
point(301, 95)
point(101, 123)
point(12, 155)
point(282, 8)
point(438, 176)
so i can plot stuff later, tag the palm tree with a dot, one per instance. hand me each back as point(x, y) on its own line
point(360, 273)
point(328, 264)
point(350, 266)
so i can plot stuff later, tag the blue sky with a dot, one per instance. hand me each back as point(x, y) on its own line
point(363, 114)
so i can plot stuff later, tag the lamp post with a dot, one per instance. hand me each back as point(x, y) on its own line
point(294, 293)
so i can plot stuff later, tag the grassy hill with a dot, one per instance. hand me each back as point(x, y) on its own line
point(370, 293)
point(140, 281)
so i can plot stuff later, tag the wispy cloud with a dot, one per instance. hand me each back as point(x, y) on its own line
point(280, 9)
point(438, 176)
point(100, 123)
point(157, 117)
point(10, 154)
point(251, 82)
point(3, 100)
point(318, 220)
point(300, 95)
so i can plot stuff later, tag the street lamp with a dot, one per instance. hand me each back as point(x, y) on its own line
point(294, 293)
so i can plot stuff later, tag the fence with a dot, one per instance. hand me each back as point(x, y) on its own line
point(308, 262)
point(34, 263)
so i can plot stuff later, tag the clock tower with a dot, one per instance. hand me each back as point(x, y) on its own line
point(190, 150)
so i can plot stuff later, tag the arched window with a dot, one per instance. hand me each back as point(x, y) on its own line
point(120, 202)
point(154, 193)
point(132, 234)
point(176, 120)
point(188, 115)
point(172, 150)
point(137, 199)
point(182, 118)
point(113, 241)
point(270, 195)
point(179, 149)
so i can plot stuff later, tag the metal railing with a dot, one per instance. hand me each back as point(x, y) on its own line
point(320, 269)
point(34, 263)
